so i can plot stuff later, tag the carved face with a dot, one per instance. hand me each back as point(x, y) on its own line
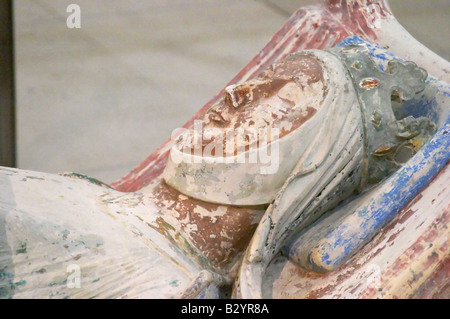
point(251, 140)
point(284, 96)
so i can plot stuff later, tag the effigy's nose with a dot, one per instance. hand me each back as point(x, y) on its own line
point(241, 95)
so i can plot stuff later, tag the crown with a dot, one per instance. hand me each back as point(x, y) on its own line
point(388, 142)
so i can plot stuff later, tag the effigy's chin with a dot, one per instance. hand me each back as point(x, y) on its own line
point(248, 144)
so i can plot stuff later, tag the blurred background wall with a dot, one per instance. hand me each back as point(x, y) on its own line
point(98, 100)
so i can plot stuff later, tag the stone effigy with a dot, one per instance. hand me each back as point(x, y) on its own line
point(264, 184)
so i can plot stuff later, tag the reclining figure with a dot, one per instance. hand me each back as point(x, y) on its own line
point(290, 144)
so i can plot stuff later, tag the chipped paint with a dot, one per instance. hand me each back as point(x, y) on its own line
point(375, 209)
point(155, 241)
point(408, 254)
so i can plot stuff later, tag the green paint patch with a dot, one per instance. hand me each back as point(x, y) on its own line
point(4, 274)
point(88, 178)
point(20, 283)
point(17, 284)
point(175, 283)
point(22, 249)
point(95, 280)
